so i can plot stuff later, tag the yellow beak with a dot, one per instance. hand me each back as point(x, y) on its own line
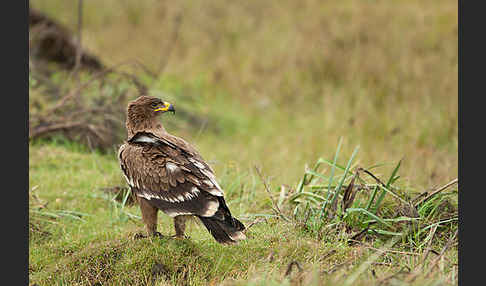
point(166, 107)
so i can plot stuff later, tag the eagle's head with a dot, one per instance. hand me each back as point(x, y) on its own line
point(143, 111)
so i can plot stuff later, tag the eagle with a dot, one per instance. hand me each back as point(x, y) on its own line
point(166, 173)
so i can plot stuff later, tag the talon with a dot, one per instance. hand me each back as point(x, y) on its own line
point(158, 234)
point(139, 236)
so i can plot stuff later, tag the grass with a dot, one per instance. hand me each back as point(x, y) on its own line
point(84, 236)
point(289, 92)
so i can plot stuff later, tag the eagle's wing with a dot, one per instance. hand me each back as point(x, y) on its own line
point(171, 175)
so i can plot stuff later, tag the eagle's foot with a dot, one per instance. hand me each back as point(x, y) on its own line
point(158, 234)
point(183, 236)
point(141, 235)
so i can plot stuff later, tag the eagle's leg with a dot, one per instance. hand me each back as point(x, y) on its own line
point(180, 225)
point(149, 217)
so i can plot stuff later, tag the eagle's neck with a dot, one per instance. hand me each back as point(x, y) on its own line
point(151, 125)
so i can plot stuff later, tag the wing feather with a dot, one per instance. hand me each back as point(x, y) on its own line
point(170, 174)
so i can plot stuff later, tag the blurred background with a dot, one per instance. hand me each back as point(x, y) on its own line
point(267, 83)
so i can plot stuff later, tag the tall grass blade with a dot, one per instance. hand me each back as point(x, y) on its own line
point(313, 173)
point(306, 194)
point(127, 193)
point(438, 223)
point(346, 171)
point(398, 219)
point(370, 214)
point(368, 205)
point(383, 193)
point(332, 164)
point(377, 165)
point(333, 168)
point(385, 232)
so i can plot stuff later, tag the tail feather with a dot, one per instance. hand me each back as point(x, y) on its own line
point(229, 230)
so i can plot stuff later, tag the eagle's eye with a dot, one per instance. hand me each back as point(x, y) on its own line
point(154, 105)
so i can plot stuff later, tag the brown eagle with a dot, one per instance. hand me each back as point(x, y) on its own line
point(166, 173)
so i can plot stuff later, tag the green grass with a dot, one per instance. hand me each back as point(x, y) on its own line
point(93, 242)
point(281, 86)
